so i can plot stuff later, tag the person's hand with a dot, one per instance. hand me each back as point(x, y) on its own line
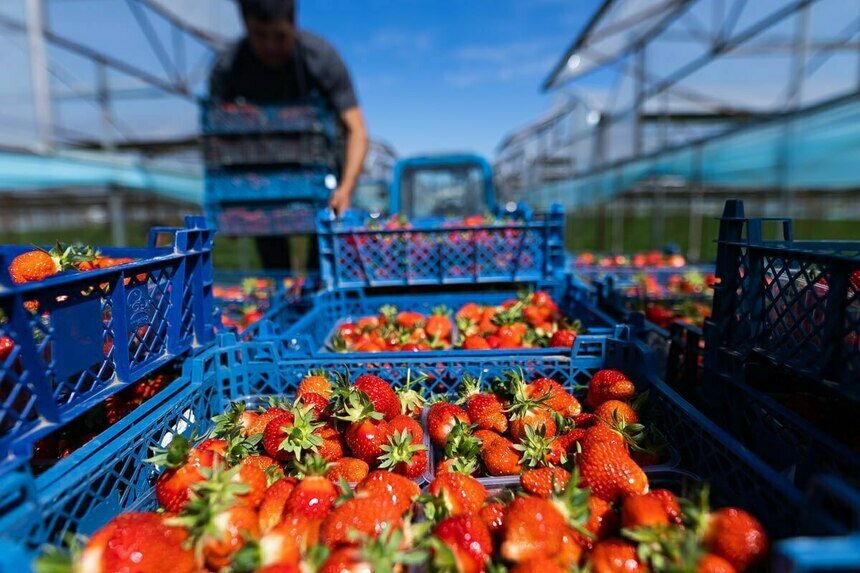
point(339, 201)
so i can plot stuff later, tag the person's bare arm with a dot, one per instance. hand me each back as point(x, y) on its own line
point(356, 151)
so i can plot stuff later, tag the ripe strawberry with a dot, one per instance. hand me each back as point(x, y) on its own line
point(255, 479)
point(736, 536)
point(367, 516)
point(140, 542)
point(527, 416)
point(493, 515)
point(607, 467)
point(291, 435)
point(441, 419)
point(439, 324)
point(532, 527)
point(213, 444)
point(467, 539)
point(380, 393)
point(351, 470)
point(39, 264)
point(399, 490)
point(276, 548)
point(316, 382)
point(409, 320)
point(539, 565)
point(486, 411)
point(613, 411)
point(262, 462)
point(556, 398)
point(614, 555)
point(258, 425)
point(228, 532)
point(602, 520)
point(403, 424)
point(367, 431)
point(6, 348)
point(380, 554)
point(401, 454)
point(562, 338)
point(317, 402)
point(475, 342)
point(182, 470)
point(459, 493)
point(332, 446)
point(314, 495)
point(643, 511)
point(487, 437)
point(710, 563)
point(500, 458)
point(274, 499)
point(670, 504)
point(608, 385)
point(544, 482)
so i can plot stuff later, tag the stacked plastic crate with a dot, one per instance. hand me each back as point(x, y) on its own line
point(268, 168)
point(778, 365)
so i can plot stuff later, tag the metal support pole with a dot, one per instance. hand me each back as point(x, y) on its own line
point(39, 73)
point(639, 74)
point(115, 199)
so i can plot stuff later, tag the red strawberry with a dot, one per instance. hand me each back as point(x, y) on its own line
point(367, 431)
point(441, 419)
point(613, 411)
point(737, 537)
point(380, 393)
point(532, 527)
point(139, 542)
point(213, 444)
point(291, 435)
point(475, 342)
point(439, 324)
point(544, 482)
point(710, 563)
point(500, 458)
point(459, 493)
point(332, 446)
point(6, 347)
point(255, 479)
point(562, 339)
point(608, 385)
point(274, 499)
point(539, 565)
point(670, 504)
point(317, 402)
point(555, 397)
point(182, 470)
point(486, 411)
point(643, 511)
point(399, 490)
point(493, 515)
point(380, 554)
point(313, 496)
point(258, 425)
point(401, 454)
point(402, 423)
point(614, 555)
point(367, 516)
point(467, 539)
point(607, 468)
point(316, 382)
point(352, 470)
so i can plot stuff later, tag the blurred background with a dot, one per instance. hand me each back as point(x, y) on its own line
point(640, 116)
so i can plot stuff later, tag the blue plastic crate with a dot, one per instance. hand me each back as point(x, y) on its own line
point(793, 303)
point(312, 333)
point(96, 332)
point(785, 440)
point(296, 149)
point(520, 247)
point(263, 219)
point(218, 118)
point(108, 475)
point(592, 274)
point(250, 187)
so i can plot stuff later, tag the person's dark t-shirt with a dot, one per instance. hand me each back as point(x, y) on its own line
point(316, 67)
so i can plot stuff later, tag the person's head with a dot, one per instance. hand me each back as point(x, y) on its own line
point(271, 29)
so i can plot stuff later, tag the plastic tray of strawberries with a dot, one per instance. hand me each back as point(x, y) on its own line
point(795, 303)
point(69, 341)
point(518, 246)
point(243, 298)
point(315, 332)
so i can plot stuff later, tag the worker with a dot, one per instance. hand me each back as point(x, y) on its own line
point(277, 63)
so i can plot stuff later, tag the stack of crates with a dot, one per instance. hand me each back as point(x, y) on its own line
point(778, 363)
point(268, 168)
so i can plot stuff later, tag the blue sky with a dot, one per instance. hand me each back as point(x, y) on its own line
point(448, 74)
point(431, 74)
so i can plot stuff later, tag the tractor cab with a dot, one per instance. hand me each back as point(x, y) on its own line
point(442, 186)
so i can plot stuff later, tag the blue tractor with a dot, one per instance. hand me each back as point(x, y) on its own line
point(449, 185)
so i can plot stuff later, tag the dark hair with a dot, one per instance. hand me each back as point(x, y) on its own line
point(269, 10)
